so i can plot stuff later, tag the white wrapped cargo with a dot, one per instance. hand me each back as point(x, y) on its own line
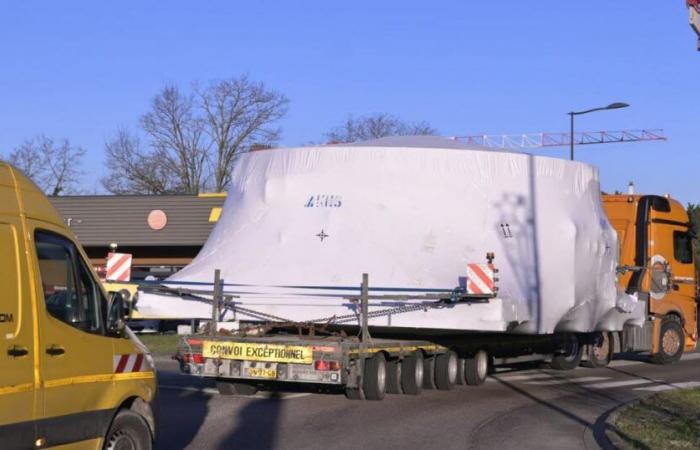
point(301, 225)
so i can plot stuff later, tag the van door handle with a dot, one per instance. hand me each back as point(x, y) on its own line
point(55, 350)
point(16, 351)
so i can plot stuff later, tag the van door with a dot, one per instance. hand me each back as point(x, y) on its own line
point(75, 355)
point(18, 393)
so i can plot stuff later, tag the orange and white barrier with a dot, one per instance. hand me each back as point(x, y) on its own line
point(119, 266)
point(480, 279)
point(134, 362)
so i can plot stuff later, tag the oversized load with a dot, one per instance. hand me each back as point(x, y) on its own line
point(301, 225)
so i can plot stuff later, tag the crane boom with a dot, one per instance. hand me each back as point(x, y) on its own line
point(537, 140)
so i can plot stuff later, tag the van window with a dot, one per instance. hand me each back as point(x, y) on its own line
point(682, 247)
point(70, 293)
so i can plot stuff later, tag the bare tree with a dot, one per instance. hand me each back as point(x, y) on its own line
point(54, 166)
point(240, 114)
point(376, 126)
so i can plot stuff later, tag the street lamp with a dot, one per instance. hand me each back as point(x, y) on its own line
point(616, 105)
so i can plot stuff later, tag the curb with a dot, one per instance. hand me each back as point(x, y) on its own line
point(608, 431)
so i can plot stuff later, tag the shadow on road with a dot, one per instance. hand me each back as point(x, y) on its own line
point(176, 431)
point(257, 424)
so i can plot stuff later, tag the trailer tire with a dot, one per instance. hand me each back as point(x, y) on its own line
point(429, 372)
point(235, 388)
point(374, 383)
point(393, 377)
point(412, 373)
point(446, 370)
point(572, 358)
point(671, 341)
point(600, 352)
point(461, 380)
point(476, 368)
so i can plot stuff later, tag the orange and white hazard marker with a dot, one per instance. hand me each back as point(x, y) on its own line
point(134, 362)
point(118, 266)
point(480, 279)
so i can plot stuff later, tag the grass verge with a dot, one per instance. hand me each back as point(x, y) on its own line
point(669, 420)
point(161, 344)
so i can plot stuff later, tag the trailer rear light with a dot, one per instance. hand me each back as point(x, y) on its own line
point(197, 358)
point(326, 366)
point(194, 341)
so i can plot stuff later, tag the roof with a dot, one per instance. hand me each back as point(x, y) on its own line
point(99, 220)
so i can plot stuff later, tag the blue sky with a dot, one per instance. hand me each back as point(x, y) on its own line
point(81, 69)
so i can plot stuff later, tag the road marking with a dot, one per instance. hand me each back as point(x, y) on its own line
point(615, 384)
point(214, 391)
point(690, 356)
point(669, 387)
point(567, 380)
point(528, 376)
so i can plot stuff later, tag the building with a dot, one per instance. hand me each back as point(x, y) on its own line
point(162, 232)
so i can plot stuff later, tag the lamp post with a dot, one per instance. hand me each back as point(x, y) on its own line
point(616, 105)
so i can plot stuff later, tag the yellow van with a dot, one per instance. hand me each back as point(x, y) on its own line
point(71, 373)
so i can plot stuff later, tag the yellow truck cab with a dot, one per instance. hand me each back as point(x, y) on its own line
point(656, 254)
point(71, 373)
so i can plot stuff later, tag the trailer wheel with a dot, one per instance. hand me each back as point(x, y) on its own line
point(446, 370)
point(233, 388)
point(374, 383)
point(476, 368)
point(461, 380)
point(412, 373)
point(393, 377)
point(671, 341)
point(429, 372)
point(600, 352)
point(571, 357)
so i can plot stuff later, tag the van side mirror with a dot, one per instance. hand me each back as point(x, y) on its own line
point(117, 314)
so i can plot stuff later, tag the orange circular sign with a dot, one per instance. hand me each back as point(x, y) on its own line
point(157, 219)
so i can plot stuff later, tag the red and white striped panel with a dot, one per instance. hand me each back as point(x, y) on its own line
point(480, 279)
point(135, 362)
point(118, 266)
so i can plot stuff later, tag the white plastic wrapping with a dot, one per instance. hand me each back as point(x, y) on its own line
point(301, 225)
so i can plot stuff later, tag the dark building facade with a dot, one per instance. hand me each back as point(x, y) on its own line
point(162, 232)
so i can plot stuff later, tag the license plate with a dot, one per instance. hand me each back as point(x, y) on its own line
point(258, 372)
point(248, 351)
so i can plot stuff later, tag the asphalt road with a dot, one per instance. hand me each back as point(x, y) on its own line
point(522, 407)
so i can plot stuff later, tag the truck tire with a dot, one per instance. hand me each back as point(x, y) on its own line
point(233, 388)
point(572, 356)
point(128, 430)
point(393, 377)
point(671, 341)
point(476, 368)
point(374, 383)
point(599, 353)
point(429, 372)
point(446, 370)
point(412, 373)
point(461, 380)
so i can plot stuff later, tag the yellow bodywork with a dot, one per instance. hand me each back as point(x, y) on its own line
point(42, 390)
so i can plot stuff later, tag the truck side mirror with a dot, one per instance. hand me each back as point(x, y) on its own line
point(116, 314)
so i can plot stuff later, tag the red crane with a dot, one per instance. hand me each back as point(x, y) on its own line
point(694, 13)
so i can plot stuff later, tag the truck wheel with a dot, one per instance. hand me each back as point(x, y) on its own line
point(572, 356)
point(476, 368)
point(393, 377)
point(128, 431)
point(600, 352)
point(231, 388)
point(374, 383)
point(671, 341)
point(412, 373)
point(429, 373)
point(446, 370)
point(460, 372)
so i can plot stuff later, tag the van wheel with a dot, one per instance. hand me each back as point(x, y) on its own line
point(600, 352)
point(393, 377)
point(671, 341)
point(476, 368)
point(129, 431)
point(231, 388)
point(446, 370)
point(374, 384)
point(412, 373)
point(429, 373)
point(571, 358)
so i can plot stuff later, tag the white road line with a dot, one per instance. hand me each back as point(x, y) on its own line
point(615, 384)
point(567, 381)
point(529, 376)
point(690, 356)
point(669, 387)
point(214, 391)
